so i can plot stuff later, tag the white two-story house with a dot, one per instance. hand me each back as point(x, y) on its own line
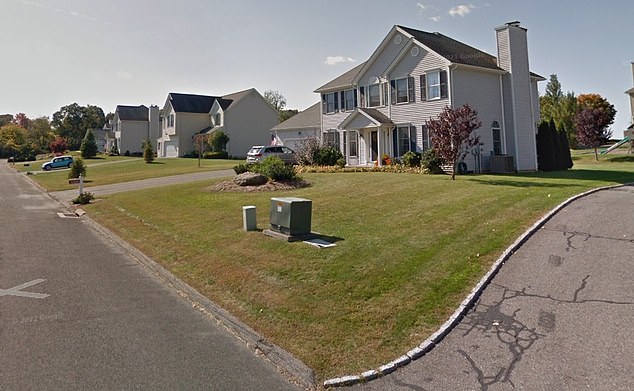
point(382, 106)
point(133, 125)
point(245, 116)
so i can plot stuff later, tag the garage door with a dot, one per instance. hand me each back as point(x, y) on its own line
point(170, 149)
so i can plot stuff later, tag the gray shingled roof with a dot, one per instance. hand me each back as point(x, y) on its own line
point(190, 103)
point(132, 113)
point(307, 119)
point(342, 81)
point(377, 115)
point(454, 51)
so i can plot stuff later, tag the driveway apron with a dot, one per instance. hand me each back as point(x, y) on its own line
point(558, 315)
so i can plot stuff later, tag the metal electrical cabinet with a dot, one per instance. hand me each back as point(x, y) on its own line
point(291, 216)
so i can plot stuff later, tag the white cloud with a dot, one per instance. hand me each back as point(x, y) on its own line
point(422, 6)
point(461, 10)
point(435, 18)
point(124, 75)
point(332, 60)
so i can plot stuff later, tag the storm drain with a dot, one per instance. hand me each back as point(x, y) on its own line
point(67, 215)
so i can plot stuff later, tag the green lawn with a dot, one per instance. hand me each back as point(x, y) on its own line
point(122, 169)
point(409, 249)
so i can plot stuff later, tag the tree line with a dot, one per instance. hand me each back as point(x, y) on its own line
point(23, 138)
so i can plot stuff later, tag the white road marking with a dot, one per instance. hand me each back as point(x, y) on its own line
point(17, 290)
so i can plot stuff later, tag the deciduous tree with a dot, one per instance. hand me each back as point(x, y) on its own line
point(72, 121)
point(59, 145)
point(452, 134)
point(592, 128)
point(218, 141)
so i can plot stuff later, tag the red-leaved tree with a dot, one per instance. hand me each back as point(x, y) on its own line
point(592, 128)
point(59, 145)
point(452, 135)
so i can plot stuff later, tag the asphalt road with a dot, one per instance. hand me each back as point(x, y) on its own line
point(558, 315)
point(78, 312)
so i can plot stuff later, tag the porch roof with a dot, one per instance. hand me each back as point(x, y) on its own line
point(374, 116)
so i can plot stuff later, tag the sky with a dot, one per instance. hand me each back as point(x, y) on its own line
point(133, 52)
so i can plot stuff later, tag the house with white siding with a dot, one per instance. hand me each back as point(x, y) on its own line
point(303, 125)
point(245, 116)
point(132, 125)
point(382, 105)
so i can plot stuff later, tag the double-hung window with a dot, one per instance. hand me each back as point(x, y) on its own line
point(374, 95)
point(353, 143)
point(405, 139)
point(349, 100)
point(331, 138)
point(433, 85)
point(330, 102)
point(402, 90)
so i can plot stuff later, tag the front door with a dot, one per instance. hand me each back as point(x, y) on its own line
point(374, 145)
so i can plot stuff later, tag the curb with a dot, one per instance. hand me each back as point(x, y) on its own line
point(283, 361)
point(292, 368)
point(465, 306)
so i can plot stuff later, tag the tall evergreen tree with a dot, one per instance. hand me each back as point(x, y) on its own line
point(88, 145)
point(565, 149)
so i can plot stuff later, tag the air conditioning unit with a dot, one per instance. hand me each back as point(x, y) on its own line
point(291, 216)
point(502, 164)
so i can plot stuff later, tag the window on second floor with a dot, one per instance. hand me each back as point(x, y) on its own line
point(170, 121)
point(433, 85)
point(217, 119)
point(374, 95)
point(349, 100)
point(330, 102)
point(402, 90)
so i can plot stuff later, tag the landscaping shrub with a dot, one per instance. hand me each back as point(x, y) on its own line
point(412, 159)
point(327, 156)
point(275, 168)
point(84, 198)
point(78, 167)
point(148, 152)
point(341, 163)
point(216, 155)
point(307, 150)
point(244, 167)
point(431, 162)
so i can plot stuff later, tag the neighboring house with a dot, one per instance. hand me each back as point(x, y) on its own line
point(132, 125)
point(303, 125)
point(382, 106)
point(245, 116)
point(101, 138)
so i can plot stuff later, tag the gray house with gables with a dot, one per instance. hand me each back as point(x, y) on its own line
point(381, 107)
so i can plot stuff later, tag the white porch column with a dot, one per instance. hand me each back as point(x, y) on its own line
point(378, 146)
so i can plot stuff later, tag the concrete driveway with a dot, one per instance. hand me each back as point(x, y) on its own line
point(558, 315)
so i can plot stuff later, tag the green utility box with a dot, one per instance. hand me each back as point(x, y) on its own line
point(291, 216)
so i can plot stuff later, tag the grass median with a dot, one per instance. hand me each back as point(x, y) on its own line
point(410, 247)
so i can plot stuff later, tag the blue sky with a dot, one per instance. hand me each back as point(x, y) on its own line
point(104, 53)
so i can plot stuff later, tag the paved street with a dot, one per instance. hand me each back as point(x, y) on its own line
point(77, 312)
point(67, 195)
point(558, 316)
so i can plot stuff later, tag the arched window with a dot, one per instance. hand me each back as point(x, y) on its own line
point(497, 138)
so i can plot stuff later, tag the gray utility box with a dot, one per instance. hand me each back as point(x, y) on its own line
point(291, 216)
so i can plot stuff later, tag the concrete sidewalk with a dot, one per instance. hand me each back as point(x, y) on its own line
point(67, 195)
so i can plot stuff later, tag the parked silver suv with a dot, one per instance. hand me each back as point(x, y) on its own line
point(257, 153)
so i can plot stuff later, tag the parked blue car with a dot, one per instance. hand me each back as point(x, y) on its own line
point(58, 162)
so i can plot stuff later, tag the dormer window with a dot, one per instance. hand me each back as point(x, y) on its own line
point(217, 119)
